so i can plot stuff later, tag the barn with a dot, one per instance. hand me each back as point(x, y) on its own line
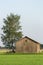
point(27, 45)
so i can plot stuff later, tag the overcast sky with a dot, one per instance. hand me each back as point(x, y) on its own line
point(31, 12)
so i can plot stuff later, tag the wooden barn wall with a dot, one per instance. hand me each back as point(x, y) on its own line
point(27, 46)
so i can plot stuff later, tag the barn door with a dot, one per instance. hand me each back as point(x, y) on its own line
point(25, 48)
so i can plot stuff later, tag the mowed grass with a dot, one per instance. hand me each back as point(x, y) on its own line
point(21, 59)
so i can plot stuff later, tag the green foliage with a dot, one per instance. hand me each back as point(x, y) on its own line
point(21, 59)
point(11, 30)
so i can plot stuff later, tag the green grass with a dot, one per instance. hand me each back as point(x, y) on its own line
point(21, 59)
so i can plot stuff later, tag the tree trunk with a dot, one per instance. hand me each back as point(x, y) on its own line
point(13, 48)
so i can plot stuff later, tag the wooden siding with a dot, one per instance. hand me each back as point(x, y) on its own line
point(26, 45)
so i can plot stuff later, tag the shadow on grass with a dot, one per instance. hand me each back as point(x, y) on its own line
point(14, 53)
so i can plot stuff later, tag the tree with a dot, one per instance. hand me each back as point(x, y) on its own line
point(11, 30)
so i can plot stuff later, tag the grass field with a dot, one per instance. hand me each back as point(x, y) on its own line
point(20, 59)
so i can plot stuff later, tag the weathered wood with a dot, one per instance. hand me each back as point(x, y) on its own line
point(27, 45)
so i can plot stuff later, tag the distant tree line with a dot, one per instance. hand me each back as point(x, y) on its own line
point(41, 46)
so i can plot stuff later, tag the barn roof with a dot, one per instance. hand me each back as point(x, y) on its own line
point(31, 39)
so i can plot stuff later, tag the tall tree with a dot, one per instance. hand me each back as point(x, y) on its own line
point(11, 30)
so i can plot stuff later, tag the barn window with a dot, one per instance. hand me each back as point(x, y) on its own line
point(25, 40)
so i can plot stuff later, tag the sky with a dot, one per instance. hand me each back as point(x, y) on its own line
point(31, 12)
